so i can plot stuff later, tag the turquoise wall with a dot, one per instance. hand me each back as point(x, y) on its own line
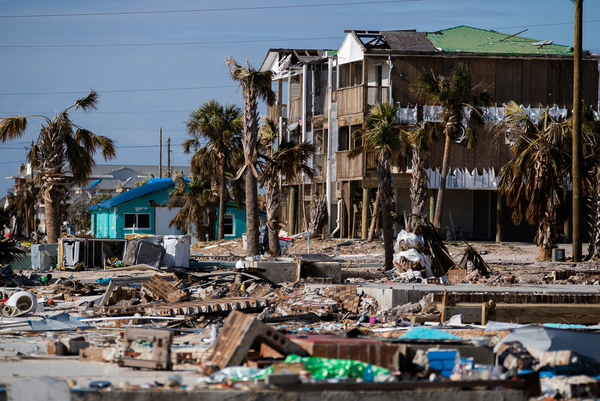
point(110, 222)
point(239, 222)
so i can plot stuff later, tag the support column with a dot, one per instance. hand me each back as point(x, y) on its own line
point(366, 203)
point(498, 217)
point(432, 193)
point(293, 207)
point(349, 209)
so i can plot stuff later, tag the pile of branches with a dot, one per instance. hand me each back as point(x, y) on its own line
point(434, 247)
point(472, 255)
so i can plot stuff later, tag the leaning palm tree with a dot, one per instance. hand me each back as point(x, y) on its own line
point(288, 159)
point(220, 126)
point(381, 134)
point(534, 180)
point(256, 85)
point(457, 94)
point(61, 147)
point(194, 196)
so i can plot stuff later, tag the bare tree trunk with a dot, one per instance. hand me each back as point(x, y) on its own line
point(52, 209)
point(222, 200)
point(212, 222)
point(418, 183)
point(546, 238)
point(249, 143)
point(374, 217)
point(385, 179)
point(272, 204)
point(439, 206)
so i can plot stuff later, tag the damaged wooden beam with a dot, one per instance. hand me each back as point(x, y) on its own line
point(207, 306)
point(237, 335)
point(527, 313)
point(157, 288)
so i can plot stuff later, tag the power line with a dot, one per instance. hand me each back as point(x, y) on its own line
point(536, 25)
point(205, 10)
point(223, 42)
point(121, 91)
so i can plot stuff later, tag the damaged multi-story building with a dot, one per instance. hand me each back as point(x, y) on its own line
point(323, 96)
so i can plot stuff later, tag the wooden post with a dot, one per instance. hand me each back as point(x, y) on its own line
point(488, 312)
point(431, 205)
point(349, 208)
point(576, 175)
point(366, 203)
point(160, 152)
point(169, 158)
point(498, 217)
point(293, 207)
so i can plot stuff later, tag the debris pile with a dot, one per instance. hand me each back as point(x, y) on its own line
point(306, 322)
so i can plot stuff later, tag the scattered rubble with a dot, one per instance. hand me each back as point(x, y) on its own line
point(444, 318)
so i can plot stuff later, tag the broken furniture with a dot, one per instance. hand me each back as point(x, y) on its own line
point(237, 335)
point(160, 341)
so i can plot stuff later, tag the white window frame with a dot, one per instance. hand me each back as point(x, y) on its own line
point(232, 224)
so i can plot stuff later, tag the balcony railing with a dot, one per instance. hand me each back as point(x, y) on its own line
point(350, 100)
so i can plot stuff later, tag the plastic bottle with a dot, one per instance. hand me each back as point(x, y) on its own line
point(368, 374)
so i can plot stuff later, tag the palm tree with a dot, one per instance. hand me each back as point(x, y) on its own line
point(457, 94)
point(534, 180)
point(419, 139)
point(193, 196)
point(288, 159)
point(381, 134)
point(22, 204)
point(61, 146)
point(256, 85)
point(220, 126)
point(590, 145)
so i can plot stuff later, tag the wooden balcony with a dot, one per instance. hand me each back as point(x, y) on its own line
point(274, 112)
point(354, 169)
point(350, 100)
point(295, 111)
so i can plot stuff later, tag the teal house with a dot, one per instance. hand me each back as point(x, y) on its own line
point(141, 210)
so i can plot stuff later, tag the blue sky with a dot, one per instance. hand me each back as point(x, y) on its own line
point(153, 62)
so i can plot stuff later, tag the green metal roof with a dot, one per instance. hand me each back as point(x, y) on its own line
point(472, 40)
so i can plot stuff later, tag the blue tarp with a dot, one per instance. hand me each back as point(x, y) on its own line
point(153, 185)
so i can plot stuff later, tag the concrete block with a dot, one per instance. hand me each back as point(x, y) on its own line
point(331, 270)
point(277, 272)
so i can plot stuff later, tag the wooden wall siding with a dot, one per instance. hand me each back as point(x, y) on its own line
point(590, 80)
point(350, 101)
point(403, 74)
point(484, 71)
point(560, 84)
point(508, 81)
point(347, 168)
point(488, 152)
point(535, 83)
point(295, 111)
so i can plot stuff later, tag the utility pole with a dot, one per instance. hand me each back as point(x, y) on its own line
point(577, 131)
point(160, 152)
point(169, 158)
